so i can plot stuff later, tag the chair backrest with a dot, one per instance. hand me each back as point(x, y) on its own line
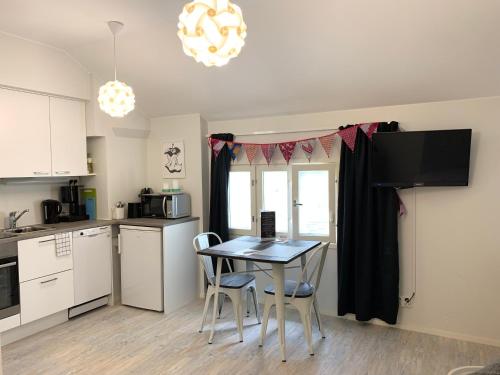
point(307, 275)
point(201, 242)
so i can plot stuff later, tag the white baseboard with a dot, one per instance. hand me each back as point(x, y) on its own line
point(29, 329)
point(429, 331)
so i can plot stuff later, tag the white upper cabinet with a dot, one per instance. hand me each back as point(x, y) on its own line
point(24, 135)
point(68, 137)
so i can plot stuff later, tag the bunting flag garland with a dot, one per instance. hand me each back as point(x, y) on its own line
point(327, 143)
point(348, 135)
point(369, 129)
point(217, 146)
point(308, 148)
point(234, 149)
point(268, 151)
point(251, 151)
point(287, 149)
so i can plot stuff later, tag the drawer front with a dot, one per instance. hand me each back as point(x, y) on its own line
point(37, 258)
point(46, 295)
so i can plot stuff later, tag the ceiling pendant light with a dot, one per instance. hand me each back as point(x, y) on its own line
point(115, 97)
point(212, 31)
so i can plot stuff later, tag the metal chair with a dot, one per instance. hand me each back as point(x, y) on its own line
point(233, 285)
point(301, 294)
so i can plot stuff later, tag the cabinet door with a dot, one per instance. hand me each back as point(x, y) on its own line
point(141, 267)
point(46, 295)
point(24, 134)
point(68, 137)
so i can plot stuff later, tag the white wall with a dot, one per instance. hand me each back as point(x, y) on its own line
point(457, 247)
point(118, 147)
point(188, 128)
point(37, 67)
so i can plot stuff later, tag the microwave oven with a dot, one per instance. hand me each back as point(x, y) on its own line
point(166, 206)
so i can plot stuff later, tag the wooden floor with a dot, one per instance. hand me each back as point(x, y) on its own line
point(124, 340)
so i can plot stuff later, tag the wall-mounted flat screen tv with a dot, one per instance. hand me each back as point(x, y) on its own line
point(421, 158)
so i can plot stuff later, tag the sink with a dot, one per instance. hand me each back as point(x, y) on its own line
point(29, 229)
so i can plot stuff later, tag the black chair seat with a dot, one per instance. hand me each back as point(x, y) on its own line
point(236, 281)
point(305, 289)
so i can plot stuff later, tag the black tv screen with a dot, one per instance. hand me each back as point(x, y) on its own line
point(421, 158)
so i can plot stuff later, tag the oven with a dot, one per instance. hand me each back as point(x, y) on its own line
point(9, 280)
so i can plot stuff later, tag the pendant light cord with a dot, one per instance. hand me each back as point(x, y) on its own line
point(114, 52)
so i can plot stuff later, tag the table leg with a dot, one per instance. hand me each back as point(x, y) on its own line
point(279, 284)
point(249, 269)
point(216, 297)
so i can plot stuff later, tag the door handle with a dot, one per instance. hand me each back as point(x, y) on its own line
point(296, 204)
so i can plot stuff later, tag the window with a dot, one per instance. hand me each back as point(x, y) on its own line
point(272, 184)
point(241, 200)
point(302, 196)
point(313, 198)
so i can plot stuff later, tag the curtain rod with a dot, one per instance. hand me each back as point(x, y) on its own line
point(267, 132)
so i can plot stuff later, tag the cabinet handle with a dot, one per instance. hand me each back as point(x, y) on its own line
point(119, 244)
point(38, 173)
point(8, 264)
point(48, 281)
point(63, 172)
point(45, 241)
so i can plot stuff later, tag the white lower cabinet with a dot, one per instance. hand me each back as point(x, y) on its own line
point(46, 295)
point(46, 280)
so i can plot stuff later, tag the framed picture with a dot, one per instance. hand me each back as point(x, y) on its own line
point(173, 160)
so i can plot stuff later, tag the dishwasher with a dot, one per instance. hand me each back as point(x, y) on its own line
point(92, 268)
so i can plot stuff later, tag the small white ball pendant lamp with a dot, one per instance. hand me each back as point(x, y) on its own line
point(115, 97)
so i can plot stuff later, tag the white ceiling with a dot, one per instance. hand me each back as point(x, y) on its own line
point(300, 56)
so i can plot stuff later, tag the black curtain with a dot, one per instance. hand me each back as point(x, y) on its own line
point(368, 265)
point(219, 183)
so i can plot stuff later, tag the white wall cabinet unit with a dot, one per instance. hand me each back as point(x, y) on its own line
point(68, 137)
point(46, 280)
point(24, 135)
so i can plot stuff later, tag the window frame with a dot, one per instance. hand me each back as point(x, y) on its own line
point(259, 170)
point(252, 231)
point(332, 201)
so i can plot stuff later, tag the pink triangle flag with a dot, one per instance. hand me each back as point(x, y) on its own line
point(327, 143)
point(268, 151)
point(308, 148)
point(369, 129)
point(348, 135)
point(287, 149)
point(217, 146)
point(251, 151)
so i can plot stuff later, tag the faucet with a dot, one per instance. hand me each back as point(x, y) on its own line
point(13, 218)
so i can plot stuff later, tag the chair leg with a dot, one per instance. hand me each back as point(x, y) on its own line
point(248, 301)
point(268, 303)
point(208, 297)
point(222, 297)
point(256, 304)
point(318, 317)
point(238, 312)
point(305, 316)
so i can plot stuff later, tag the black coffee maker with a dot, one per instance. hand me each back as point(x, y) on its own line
point(51, 209)
point(70, 197)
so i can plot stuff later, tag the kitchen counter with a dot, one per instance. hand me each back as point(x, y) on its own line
point(85, 224)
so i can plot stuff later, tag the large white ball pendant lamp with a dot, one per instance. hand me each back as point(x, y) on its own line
point(115, 97)
point(212, 31)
